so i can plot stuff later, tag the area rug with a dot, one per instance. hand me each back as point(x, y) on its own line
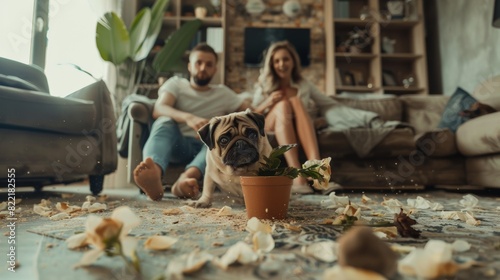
point(309, 221)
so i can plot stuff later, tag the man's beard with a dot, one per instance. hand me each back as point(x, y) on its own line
point(201, 82)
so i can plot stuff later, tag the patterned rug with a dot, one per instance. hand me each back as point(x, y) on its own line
point(309, 221)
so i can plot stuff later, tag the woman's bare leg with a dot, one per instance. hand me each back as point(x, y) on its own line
point(305, 127)
point(280, 120)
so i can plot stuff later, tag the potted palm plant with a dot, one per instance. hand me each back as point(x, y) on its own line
point(267, 193)
point(128, 48)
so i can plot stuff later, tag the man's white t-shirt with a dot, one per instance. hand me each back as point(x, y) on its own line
point(219, 100)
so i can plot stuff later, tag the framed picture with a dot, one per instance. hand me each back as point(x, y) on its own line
point(388, 78)
point(348, 79)
point(359, 78)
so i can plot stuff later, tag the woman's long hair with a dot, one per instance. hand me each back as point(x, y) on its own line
point(268, 79)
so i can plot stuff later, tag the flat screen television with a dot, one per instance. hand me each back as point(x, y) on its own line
point(257, 40)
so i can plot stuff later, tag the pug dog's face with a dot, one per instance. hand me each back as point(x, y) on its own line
point(235, 141)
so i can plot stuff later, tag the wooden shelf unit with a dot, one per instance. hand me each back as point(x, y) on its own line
point(369, 65)
point(180, 11)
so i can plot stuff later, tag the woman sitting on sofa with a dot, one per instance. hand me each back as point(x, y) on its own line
point(289, 103)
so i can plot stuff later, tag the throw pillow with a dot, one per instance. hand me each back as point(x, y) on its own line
point(452, 116)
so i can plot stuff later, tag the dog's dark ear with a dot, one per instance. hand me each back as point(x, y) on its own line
point(206, 134)
point(259, 121)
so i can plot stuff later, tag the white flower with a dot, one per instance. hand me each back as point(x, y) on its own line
point(323, 168)
point(105, 235)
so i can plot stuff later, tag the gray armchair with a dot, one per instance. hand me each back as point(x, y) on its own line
point(52, 140)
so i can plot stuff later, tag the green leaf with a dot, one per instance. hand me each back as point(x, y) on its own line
point(153, 30)
point(138, 32)
point(112, 38)
point(175, 46)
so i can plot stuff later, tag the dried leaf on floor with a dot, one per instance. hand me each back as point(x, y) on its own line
point(403, 223)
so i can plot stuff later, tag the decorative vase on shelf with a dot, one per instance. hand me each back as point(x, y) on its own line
point(255, 7)
point(200, 12)
point(291, 8)
point(266, 197)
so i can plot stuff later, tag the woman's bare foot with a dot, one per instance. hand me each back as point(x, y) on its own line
point(300, 186)
point(147, 176)
point(186, 187)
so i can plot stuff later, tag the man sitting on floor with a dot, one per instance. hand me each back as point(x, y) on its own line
point(182, 108)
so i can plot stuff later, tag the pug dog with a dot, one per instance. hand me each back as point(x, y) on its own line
point(236, 145)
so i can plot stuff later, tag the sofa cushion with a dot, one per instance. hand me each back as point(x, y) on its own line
point(488, 92)
point(389, 108)
point(452, 117)
point(423, 112)
point(479, 136)
point(483, 171)
point(335, 144)
point(32, 110)
point(439, 142)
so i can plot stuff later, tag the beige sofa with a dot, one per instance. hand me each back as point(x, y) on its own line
point(408, 158)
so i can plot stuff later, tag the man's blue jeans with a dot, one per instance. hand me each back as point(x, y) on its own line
point(166, 145)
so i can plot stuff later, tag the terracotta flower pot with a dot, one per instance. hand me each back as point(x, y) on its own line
point(266, 197)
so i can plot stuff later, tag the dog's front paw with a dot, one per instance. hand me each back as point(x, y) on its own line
point(200, 203)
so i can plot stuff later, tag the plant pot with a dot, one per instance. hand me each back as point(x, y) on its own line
point(266, 197)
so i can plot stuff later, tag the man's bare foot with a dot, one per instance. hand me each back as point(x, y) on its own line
point(186, 187)
point(147, 176)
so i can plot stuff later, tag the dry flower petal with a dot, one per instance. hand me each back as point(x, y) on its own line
point(469, 219)
point(159, 242)
point(402, 248)
point(390, 232)
point(239, 252)
point(335, 201)
point(187, 209)
point(59, 216)
point(187, 264)
point(262, 242)
point(42, 210)
point(433, 261)
point(392, 205)
point(453, 215)
point(67, 195)
point(65, 207)
point(90, 198)
point(293, 227)
point(350, 273)
point(89, 257)
point(422, 203)
point(77, 241)
point(255, 225)
point(3, 206)
point(45, 203)
point(469, 201)
point(96, 207)
point(324, 251)
point(225, 211)
point(172, 211)
point(365, 199)
point(460, 245)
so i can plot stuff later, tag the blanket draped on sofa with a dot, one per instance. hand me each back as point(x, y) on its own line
point(363, 129)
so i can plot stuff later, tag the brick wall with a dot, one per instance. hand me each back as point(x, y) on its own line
point(241, 78)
